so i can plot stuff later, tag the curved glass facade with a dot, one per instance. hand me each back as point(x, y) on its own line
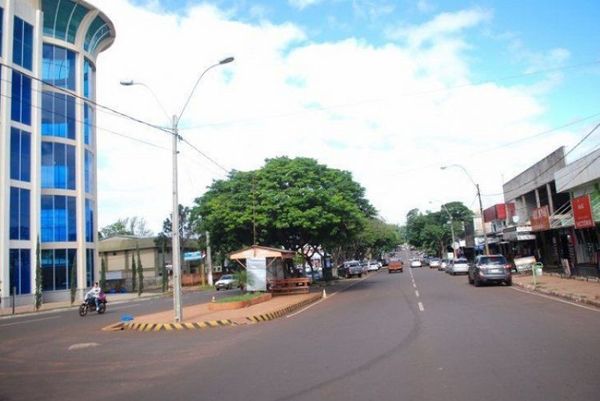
point(48, 142)
point(62, 18)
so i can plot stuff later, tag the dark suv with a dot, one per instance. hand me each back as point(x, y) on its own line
point(350, 268)
point(490, 269)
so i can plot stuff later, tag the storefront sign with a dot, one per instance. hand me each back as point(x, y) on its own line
point(540, 219)
point(582, 212)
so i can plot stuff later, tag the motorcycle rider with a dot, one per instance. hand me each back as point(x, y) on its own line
point(95, 293)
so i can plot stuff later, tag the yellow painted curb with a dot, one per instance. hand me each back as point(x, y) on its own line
point(146, 327)
point(282, 312)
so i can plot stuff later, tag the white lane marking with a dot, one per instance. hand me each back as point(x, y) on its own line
point(421, 308)
point(28, 321)
point(414, 285)
point(557, 299)
point(417, 294)
point(82, 346)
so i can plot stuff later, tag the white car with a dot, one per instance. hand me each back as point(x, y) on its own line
point(373, 266)
point(226, 282)
point(460, 265)
point(415, 263)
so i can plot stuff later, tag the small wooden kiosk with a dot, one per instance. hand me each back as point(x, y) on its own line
point(281, 274)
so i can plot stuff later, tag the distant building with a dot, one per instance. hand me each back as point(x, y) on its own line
point(48, 144)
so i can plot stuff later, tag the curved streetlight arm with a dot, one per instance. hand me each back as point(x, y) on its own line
point(463, 169)
point(224, 61)
point(132, 83)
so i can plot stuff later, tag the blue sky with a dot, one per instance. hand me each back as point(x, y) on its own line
point(389, 90)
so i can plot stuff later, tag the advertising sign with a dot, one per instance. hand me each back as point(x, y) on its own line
point(582, 212)
point(189, 256)
point(540, 219)
point(256, 269)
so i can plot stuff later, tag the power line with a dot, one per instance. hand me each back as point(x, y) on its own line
point(91, 126)
point(204, 154)
point(491, 149)
point(553, 164)
point(72, 93)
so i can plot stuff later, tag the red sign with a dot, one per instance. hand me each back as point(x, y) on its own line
point(540, 219)
point(582, 212)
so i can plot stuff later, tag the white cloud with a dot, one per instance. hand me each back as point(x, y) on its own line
point(382, 112)
point(302, 4)
point(441, 26)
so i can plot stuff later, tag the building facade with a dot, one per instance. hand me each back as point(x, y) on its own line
point(48, 52)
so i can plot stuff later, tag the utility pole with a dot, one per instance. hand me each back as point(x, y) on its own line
point(209, 259)
point(176, 262)
point(485, 240)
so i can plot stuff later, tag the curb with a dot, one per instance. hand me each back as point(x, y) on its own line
point(562, 295)
point(169, 326)
point(281, 312)
point(154, 327)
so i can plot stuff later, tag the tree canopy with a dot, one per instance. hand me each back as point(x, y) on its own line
point(127, 226)
point(296, 203)
point(431, 231)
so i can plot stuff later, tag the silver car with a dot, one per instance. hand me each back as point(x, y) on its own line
point(460, 265)
point(226, 282)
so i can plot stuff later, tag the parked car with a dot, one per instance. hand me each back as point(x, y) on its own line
point(415, 263)
point(490, 269)
point(443, 265)
point(226, 282)
point(460, 265)
point(435, 263)
point(350, 268)
point(373, 266)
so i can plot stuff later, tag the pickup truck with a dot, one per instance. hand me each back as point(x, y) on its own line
point(395, 265)
point(351, 268)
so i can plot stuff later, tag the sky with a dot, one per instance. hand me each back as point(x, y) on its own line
point(388, 90)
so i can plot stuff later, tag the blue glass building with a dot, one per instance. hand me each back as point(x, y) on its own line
point(48, 51)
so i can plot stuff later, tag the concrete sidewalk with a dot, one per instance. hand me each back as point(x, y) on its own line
point(6, 311)
point(572, 289)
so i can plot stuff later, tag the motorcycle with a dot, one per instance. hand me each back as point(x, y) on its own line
point(89, 304)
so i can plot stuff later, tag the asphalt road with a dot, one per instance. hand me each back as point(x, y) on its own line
point(383, 338)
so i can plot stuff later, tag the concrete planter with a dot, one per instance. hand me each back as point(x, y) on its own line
point(214, 306)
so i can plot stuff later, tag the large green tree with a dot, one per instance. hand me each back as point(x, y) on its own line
point(296, 203)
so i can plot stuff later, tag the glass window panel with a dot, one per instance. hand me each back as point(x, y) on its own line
point(25, 274)
point(47, 257)
point(14, 213)
point(15, 154)
point(24, 201)
point(47, 165)
point(25, 156)
point(72, 218)
point(47, 218)
point(58, 66)
point(87, 121)
point(78, 15)
point(89, 220)
point(18, 41)
point(60, 219)
point(26, 104)
point(27, 45)
point(70, 167)
point(48, 114)
point(60, 269)
point(89, 266)
point(15, 112)
point(13, 270)
point(60, 167)
point(1, 28)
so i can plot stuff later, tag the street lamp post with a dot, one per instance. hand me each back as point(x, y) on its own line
point(176, 254)
point(485, 240)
